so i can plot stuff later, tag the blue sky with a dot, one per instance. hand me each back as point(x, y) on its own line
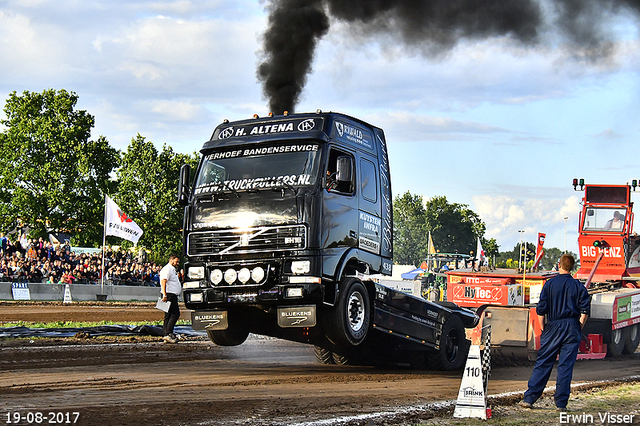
point(491, 124)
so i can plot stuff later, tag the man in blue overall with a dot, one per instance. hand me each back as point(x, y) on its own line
point(566, 303)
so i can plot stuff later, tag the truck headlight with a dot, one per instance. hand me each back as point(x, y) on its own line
point(196, 272)
point(230, 276)
point(257, 274)
point(216, 276)
point(299, 267)
point(244, 275)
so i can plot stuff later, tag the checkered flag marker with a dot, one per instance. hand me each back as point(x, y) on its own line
point(486, 360)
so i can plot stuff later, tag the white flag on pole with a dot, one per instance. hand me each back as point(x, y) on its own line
point(480, 254)
point(118, 224)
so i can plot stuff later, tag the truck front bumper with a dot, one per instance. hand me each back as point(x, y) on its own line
point(287, 317)
point(290, 294)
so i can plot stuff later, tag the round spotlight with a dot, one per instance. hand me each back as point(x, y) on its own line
point(230, 276)
point(216, 276)
point(244, 275)
point(257, 274)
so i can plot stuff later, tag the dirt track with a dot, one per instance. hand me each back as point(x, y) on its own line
point(86, 311)
point(264, 381)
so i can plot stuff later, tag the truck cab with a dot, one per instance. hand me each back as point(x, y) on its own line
point(609, 251)
point(283, 212)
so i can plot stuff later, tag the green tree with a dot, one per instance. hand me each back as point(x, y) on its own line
point(454, 227)
point(409, 230)
point(491, 248)
point(52, 176)
point(551, 257)
point(147, 192)
point(515, 255)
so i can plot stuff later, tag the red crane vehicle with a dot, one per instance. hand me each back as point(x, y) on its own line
point(609, 267)
point(610, 264)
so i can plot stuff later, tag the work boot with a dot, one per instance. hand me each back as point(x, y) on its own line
point(525, 404)
point(170, 338)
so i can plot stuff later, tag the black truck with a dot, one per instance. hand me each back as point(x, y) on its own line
point(285, 221)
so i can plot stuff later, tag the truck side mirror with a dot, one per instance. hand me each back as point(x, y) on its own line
point(183, 185)
point(344, 169)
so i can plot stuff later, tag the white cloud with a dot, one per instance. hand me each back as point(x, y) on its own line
point(177, 111)
point(409, 126)
point(504, 216)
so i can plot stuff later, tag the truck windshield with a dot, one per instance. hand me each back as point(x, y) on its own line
point(253, 168)
point(604, 219)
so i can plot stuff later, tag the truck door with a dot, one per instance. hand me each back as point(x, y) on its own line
point(340, 207)
point(369, 220)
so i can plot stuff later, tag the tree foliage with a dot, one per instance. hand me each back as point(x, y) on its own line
point(491, 248)
point(454, 228)
point(52, 176)
point(410, 233)
point(147, 192)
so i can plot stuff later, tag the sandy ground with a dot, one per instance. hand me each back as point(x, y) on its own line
point(140, 381)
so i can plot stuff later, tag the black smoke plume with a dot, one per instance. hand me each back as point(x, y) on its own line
point(432, 26)
point(295, 26)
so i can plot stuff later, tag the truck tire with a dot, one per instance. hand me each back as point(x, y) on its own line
point(616, 345)
point(454, 346)
point(632, 339)
point(324, 356)
point(349, 320)
point(235, 334)
point(341, 359)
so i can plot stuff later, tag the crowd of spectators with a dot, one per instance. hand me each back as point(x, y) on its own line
point(40, 261)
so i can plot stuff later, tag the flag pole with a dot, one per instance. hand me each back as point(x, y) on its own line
point(104, 242)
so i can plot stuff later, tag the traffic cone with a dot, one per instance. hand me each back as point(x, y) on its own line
point(472, 401)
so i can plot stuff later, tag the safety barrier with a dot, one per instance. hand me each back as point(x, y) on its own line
point(80, 292)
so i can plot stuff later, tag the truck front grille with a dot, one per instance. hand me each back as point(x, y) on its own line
point(254, 240)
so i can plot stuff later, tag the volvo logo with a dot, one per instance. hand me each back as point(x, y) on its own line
point(226, 133)
point(306, 125)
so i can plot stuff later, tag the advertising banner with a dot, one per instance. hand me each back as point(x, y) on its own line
point(20, 291)
point(474, 295)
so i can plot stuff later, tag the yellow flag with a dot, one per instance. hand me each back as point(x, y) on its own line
point(432, 250)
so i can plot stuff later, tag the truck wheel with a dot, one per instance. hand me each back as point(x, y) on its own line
point(235, 334)
point(349, 320)
point(616, 346)
point(632, 339)
point(341, 359)
point(323, 356)
point(453, 346)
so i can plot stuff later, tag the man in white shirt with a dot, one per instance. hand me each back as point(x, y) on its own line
point(170, 287)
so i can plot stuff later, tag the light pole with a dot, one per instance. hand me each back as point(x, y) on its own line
point(565, 233)
point(520, 231)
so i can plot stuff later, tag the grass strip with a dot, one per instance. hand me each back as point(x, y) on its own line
point(81, 324)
